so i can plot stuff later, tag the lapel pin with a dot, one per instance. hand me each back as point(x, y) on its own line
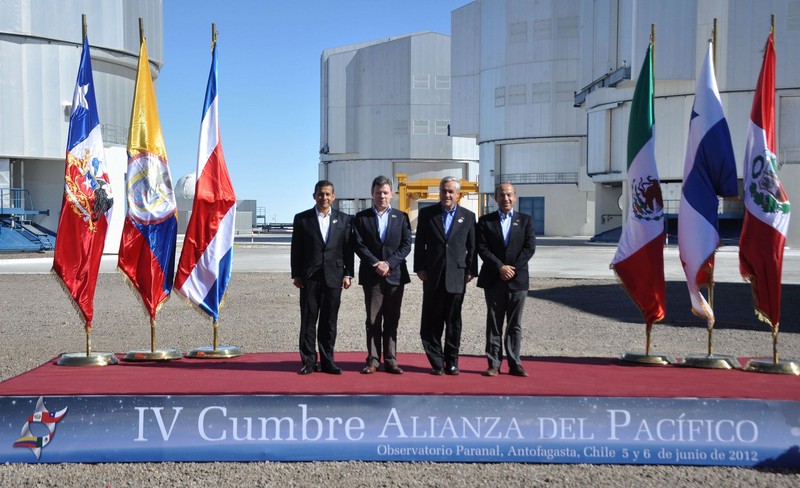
point(334, 221)
point(460, 219)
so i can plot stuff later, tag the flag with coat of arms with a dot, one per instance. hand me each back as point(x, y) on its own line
point(204, 269)
point(767, 208)
point(87, 202)
point(149, 234)
point(639, 260)
point(709, 171)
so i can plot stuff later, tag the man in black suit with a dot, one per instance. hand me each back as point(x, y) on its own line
point(322, 264)
point(382, 240)
point(506, 242)
point(445, 260)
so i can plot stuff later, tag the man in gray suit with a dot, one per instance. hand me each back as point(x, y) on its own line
point(382, 240)
point(506, 242)
point(322, 264)
point(445, 260)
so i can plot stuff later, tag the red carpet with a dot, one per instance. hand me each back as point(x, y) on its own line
point(275, 374)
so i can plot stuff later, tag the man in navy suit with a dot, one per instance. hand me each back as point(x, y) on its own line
point(322, 264)
point(382, 240)
point(506, 242)
point(445, 260)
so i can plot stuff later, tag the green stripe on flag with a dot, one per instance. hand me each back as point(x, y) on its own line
point(640, 129)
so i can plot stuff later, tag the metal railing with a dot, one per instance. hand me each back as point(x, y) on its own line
point(538, 178)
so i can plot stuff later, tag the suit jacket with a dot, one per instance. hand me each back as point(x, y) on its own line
point(394, 249)
point(449, 258)
point(495, 254)
point(310, 253)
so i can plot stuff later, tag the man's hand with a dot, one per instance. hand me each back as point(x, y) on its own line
point(422, 275)
point(298, 283)
point(507, 272)
point(382, 268)
point(346, 282)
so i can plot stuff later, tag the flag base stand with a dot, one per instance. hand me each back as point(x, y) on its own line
point(643, 358)
point(769, 366)
point(710, 361)
point(150, 355)
point(209, 352)
point(91, 359)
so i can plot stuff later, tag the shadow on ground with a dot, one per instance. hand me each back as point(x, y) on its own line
point(733, 304)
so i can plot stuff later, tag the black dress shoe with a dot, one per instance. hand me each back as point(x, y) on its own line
point(393, 369)
point(451, 370)
point(307, 369)
point(437, 371)
point(518, 371)
point(332, 369)
point(369, 369)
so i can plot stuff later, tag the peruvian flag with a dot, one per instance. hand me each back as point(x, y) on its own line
point(204, 269)
point(767, 207)
point(86, 206)
point(639, 261)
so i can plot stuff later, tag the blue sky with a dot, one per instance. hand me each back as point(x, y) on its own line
point(269, 54)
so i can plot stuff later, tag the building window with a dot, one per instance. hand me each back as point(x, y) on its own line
point(517, 94)
point(347, 206)
point(500, 96)
point(421, 127)
point(442, 82)
point(421, 82)
point(518, 33)
point(441, 127)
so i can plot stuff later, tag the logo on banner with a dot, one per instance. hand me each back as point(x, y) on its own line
point(766, 189)
point(44, 417)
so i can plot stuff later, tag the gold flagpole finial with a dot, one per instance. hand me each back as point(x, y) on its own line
point(85, 29)
point(214, 35)
point(141, 30)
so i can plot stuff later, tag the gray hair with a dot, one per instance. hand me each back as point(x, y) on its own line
point(448, 179)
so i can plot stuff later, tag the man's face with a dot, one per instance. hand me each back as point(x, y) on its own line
point(381, 197)
point(449, 195)
point(324, 198)
point(505, 196)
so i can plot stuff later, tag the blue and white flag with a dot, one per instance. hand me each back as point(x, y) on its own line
point(709, 171)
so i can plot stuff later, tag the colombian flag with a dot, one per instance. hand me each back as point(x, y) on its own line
point(149, 235)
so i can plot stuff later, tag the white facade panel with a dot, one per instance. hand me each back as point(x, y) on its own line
point(540, 157)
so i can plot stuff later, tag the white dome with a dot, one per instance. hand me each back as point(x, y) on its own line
point(184, 192)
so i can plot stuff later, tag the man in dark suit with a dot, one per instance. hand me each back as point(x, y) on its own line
point(506, 242)
point(445, 260)
point(382, 240)
point(322, 264)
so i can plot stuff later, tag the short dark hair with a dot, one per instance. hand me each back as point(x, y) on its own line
point(322, 183)
point(497, 188)
point(379, 181)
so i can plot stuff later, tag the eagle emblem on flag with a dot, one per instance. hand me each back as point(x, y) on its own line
point(647, 202)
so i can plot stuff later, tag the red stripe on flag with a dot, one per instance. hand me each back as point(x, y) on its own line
point(644, 282)
point(761, 262)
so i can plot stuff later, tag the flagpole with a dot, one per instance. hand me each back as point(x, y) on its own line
point(152, 354)
point(761, 365)
point(76, 358)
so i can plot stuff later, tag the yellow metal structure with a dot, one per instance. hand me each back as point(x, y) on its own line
point(421, 189)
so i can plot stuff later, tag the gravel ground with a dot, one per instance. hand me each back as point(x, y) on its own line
point(562, 317)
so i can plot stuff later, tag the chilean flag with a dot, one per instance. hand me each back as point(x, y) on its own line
point(150, 232)
point(204, 269)
point(709, 170)
point(767, 208)
point(86, 206)
point(639, 260)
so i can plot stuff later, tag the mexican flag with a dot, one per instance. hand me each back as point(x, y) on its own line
point(639, 260)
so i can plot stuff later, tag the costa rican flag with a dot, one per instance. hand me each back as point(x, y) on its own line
point(204, 269)
point(767, 208)
point(709, 171)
